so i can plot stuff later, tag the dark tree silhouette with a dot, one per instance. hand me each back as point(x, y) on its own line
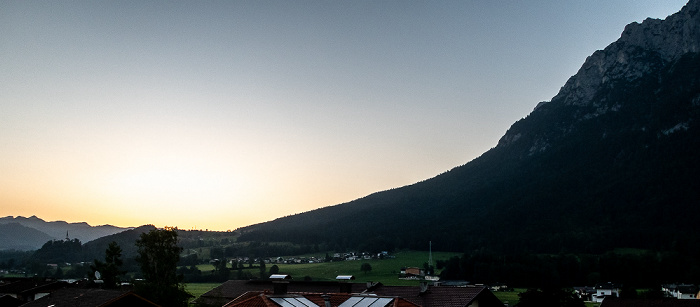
point(158, 255)
point(274, 269)
point(110, 270)
point(366, 267)
point(263, 271)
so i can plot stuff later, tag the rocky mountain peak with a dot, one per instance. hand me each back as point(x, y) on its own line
point(640, 46)
point(642, 49)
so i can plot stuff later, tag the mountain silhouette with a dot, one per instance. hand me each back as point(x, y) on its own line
point(611, 161)
point(56, 230)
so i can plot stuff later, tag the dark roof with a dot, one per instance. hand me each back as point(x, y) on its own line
point(27, 286)
point(666, 302)
point(442, 296)
point(9, 301)
point(607, 286)
point(435, 296)
point(81, 297)
point(692, 289)
point(266, 299)
point(232, 289)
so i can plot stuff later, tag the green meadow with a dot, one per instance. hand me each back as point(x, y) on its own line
point(197, 289)
point(385, 271)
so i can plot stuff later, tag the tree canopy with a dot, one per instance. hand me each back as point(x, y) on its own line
point(110, 270)
point(158, 255)
point(366, 267)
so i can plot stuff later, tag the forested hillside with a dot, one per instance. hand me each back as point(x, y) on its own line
point(611, 161)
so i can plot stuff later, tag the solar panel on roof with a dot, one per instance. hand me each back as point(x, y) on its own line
point(351, 302)
point(306, 301)
point(281, 301)
point(366, 302)
point(382, 301)
point(293, 302)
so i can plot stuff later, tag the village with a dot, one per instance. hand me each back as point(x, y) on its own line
point(277, 289)
point(282, 289)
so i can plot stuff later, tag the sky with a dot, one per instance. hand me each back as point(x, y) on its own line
point(220, 114)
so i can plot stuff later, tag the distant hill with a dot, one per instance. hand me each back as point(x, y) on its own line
point(18, 237)
point(95, 249)
point(58, 230)
point(611, 161)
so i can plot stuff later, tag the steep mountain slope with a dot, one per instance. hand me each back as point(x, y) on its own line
point(610, 161)
point(18, 237)
point(58, 229)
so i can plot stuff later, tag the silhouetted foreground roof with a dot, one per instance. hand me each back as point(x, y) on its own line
point(666, 302)
point(81, 297)
point(434, 296)
point(9, 301)
point(27, 287)
point(260, 299)
point(232, 289)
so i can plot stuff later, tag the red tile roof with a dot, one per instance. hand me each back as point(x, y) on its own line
point(441, 296)
point(265, 299)
point(434, 296)
point(232, 289)
point(254, 299)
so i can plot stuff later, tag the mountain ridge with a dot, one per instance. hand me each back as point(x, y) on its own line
point(613, 150)
point(15, 236)
point(58, 230)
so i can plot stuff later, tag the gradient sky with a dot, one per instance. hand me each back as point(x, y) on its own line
point(221, 114)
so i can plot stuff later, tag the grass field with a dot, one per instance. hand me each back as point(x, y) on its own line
point(205, 267)
point(385, 271)
point(197, 289)
point(509, 297)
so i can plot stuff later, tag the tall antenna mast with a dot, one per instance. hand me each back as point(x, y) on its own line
point(430, 257)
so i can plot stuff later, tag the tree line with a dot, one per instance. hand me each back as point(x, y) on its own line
point(638, 269)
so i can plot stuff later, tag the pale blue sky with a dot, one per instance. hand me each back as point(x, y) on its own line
point(133, 112)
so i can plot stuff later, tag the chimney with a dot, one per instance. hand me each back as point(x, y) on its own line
point(371, 286)
point(326, 300)
point(344, 281)
point(279, 283)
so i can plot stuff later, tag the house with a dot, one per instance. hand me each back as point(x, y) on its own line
point(232, 289)
point(604, 290)
point(28, 289)
point(585, 293)
point(30, 292)
point(414, 271)
point(665, 302)
point(420, 295)
point(687, 292)
point(266, 298)
point(9, 301)
point(428, 296)
point(669, 289)
point(682, 291)
point(89, 297)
